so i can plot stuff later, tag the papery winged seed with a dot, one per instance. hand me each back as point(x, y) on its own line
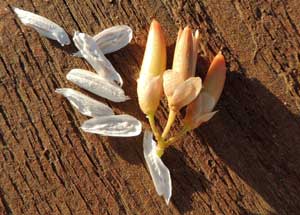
point(112, 39)
point(160, 174)
point(44, 26)
point(85, 105)
point(114, 126)
point(91, 52)
point(97, 85)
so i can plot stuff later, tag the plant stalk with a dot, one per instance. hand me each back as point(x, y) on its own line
point(153, 127)
point(171, 119)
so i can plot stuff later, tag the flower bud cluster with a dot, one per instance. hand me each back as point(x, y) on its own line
point(182, 89)
point(179, 84)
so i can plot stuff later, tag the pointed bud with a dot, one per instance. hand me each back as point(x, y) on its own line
point(183, 55)
point(215, 77)
point(184, 61)
point(149, 84)
point(196, 41)
point(200, 110)
point(155, 57)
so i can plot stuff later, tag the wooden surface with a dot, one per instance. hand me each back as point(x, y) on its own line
point(246, 160)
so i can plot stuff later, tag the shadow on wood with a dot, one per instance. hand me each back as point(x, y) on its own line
point(263, 154)
point(185, 180)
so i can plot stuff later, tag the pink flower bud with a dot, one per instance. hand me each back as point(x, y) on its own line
point(200, 110)
point(179, 85)
point(184, 61)
point(155, 57)
point(149, 84)
point(183, 55)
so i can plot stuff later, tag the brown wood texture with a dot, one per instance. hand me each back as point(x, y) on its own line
point(246, 160)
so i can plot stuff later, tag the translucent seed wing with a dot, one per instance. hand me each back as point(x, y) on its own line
point(44, 26)
point(84, 104)
point(114, 38)
point(97, 85)
point(114, 126)
point(91, 52)
point(159, 172)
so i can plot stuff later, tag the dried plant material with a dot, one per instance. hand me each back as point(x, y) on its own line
point(84, 104)
point(97, 85)
point(114, 126)
point(92, 53)
point(112, 39)
point(159, 172)
point(185, 93)
point(43, 26)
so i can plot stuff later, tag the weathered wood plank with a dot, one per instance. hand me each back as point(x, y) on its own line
point(245, 161)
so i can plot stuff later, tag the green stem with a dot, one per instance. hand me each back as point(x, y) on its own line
point(153, 127)
point(162, 145)
point(160, 142)
point(171, 119)
point(177, 137)
point(160, 149)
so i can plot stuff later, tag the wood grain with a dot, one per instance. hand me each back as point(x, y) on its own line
point(244, 161)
